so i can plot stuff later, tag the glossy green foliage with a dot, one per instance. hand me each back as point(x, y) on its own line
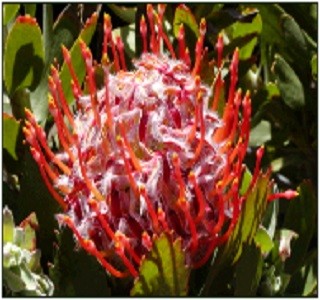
point(251, 216)
point(278, 65)
point(163, 272)
point(23, 56)
point(11, 127)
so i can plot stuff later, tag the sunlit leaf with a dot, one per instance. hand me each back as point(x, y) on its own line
point(23, 55)
point(10, 134)
point(314, 66)
point(9, 12)
point(263, 240)
point(163, 272)
point(183, 15)
point(271, 29)
point(8, 225)
point(250, 218)
point(246, 179)
point(260, 134)
point(242, 30)
point(30, 9)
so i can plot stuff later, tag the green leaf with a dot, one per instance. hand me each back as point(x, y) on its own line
point(23, 55)
point(245, 183)
point(270, 218)
point(263, 240)
point(260, 134)
point(305, 14)
point(163, 272)
point(64, 31)
point(127, 14)
point(271, 29)
point(294, 38)
point(34, 263)
point(250, 218)
point(242, 30)
point(76, 58)
point(314, 66)
point(9, 12)
point(225, 17)
point(10, 134)
point(272, 90)
point(248, 271)
point(184, 15)
point(291, 89)
point(8, 225)
point(310, 272)
point(301, 218)
point(19, 101)
point(30, 9)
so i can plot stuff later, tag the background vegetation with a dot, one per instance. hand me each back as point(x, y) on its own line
point(278, 64)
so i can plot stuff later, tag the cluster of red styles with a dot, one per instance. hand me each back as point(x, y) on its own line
point(148, 152)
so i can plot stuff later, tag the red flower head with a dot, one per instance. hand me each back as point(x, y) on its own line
point(147, 153)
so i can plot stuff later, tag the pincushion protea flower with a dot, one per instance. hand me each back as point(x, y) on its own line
point(147, 153)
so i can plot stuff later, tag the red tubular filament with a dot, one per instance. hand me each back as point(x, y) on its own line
point(146, 241)
point(151, 23)
point(202, 129)
point(42, 138)
point(199, 48)
point(55, 195)
point(67, 59)
point(289, 195)
point(182, 44)
point(61, 132)
point(143, 32)
point(108, 35)
point(90, 247)
point(55, 98)
point(199, 197)
point(62, 98)
point(183, 204)
point(121, 52)
point(91, 186)
point(106, 84)
point(120, 241)
point(86, 54)
point(234, 75)
point(127, 167)
point(162, 219)
point(134, 159)
point(151, 210)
